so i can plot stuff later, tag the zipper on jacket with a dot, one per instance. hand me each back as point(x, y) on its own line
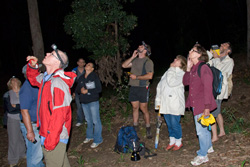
point(49, 108)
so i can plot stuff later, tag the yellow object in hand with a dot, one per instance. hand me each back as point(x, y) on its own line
point(217, 51)
point(206, 121)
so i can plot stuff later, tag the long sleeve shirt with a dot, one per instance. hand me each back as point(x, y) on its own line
point(200, 95)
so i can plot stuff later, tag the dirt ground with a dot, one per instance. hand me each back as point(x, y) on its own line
point(232, 150)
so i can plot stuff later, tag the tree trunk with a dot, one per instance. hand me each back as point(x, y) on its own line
point(248, 32)
point(35, 28)
point(118, 56)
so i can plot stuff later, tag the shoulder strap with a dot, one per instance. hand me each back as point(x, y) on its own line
point(143, 67)
point(199, 68)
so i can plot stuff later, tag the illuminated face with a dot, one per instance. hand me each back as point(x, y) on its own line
point(50, 58)
point(194, 54)
point(176, 63)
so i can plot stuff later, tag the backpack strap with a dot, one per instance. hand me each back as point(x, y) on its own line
point(199, 68)
point(149, 153)
point(143, 82)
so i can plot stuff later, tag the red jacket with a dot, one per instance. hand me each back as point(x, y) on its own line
point(53, 107)
point(200, 95)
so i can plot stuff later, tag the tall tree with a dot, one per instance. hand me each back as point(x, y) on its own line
point(35, 28)
point(102, 27)
point(248, 32)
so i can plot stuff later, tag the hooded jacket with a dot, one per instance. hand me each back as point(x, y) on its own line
point(54, 113)
point(170, 92)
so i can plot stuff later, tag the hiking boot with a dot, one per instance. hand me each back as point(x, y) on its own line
point(199, 160)
point(148, 132)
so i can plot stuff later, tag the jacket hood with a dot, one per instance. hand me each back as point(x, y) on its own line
point(67, 77)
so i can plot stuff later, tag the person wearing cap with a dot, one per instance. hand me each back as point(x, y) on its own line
point(28, 104)
point(225, 64)
point(142, 70)
point(54, 110)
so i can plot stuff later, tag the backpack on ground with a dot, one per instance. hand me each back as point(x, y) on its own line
point(143, 150)
point(125, 138)
point(217, 78)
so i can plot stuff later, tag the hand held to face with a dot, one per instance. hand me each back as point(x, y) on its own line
point(135, 54)
point(189, 64)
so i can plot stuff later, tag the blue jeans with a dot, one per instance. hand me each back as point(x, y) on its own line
point(174, 126)
point(204, 136)
point(79, 111)
point(92, 116)
point(34, 152)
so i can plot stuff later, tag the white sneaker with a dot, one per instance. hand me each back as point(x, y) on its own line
point(210, 150)
point(78, 124)
point(199, 160)
point(87, 140)
point(94, 145)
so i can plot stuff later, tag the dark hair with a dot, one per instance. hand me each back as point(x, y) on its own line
point(201, 50)
point(229, 48)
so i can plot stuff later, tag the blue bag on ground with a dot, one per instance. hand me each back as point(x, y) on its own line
point(125, 138)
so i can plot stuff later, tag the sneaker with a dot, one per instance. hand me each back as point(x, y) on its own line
point(199, 160)
point(148, 133)
point(94, 145)
point(78, 124)
point(210, 150)
point(13, 165)
point(87, 140)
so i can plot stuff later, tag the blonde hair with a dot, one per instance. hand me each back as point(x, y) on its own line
point(183, 62)
point(9, 83)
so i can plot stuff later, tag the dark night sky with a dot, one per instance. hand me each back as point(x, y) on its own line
point(171, 27)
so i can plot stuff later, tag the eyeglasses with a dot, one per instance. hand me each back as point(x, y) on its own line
point(192, 50)
point(55, 56)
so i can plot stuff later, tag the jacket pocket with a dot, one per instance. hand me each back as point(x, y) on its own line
point(49, 108)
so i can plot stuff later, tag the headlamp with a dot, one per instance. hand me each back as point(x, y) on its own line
point(146, 48)
point(64, 65)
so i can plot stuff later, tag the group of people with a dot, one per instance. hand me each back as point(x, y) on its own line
point(170, 98)
point(39, 112)
point(40, 116)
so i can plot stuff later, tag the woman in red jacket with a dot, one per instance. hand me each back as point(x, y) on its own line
point(200, 98)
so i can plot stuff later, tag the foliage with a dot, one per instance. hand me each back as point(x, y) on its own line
point(232, 122)
point(107, 111)
point(101, 27)
point(81, 161)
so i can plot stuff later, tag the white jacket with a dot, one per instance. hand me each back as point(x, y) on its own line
point(170, 92)
point(226, 67)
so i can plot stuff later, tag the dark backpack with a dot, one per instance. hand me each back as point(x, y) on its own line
point(125, 138)
point(217, 78)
